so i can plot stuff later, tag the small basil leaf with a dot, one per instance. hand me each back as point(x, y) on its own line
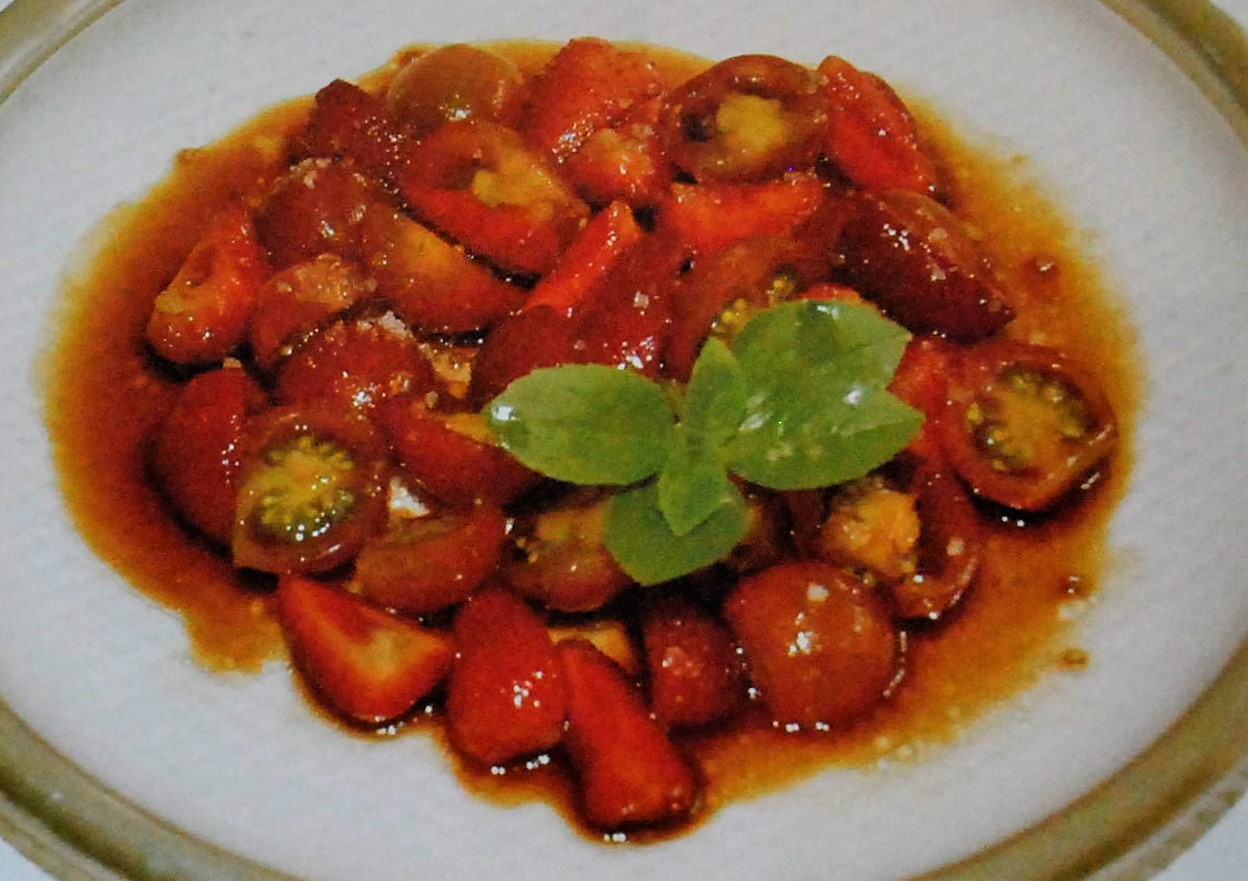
point(714, 402)
point(693, 483)
point(584, 423)
point(798, 437)
point(645, 547)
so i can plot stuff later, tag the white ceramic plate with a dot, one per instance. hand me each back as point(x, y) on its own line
point(119, 754)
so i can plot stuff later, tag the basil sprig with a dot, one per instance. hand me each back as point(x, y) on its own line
point(799, 401)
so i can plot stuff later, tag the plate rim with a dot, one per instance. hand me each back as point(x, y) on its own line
point(76, 828)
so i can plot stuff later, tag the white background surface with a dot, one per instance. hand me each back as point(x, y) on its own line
point(1221, 855)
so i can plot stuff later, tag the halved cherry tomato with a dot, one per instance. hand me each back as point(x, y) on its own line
point(630, 772)
point(710, 216)
point(196, 451)
point(202, 315)
point(355, 365)
point(477, 183)
point(431, 284)
point(453, 83)
point(589, 84)
point(726, 288)
point(349, 123)
point(311, 489)
point(911, 255)
point(872, 137)
point(367, 664)
point(748, 118)
point(426, 564)
point(506, 696)
point(949, 551)
point(694, 674)
point(315, 208)
point(820, 645)
point(452, 455)
point(299, 300)
point(1024, 425)
point(564, 562)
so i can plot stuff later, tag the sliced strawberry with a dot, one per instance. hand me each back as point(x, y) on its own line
point(711, 216)
point(871, 135)
point(630, 771)
point(429, 563)
point(369, 665)
point(586, 86)
point(349, 123)
point(432, 285)
point(202, 315)
point(315, 208)
point(506, 696)
point(612, 233)
point(695, 675)
point(196, 452)
point(625, 161)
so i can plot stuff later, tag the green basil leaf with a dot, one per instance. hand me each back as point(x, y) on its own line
point(796, 437)
point(809, 341)
point(714, 402)
point(818, 411)
point(585, 423)
point(641, 541)
point(693, 483)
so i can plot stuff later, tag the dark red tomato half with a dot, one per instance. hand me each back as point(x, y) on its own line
point(1024, 426)
point(312, 489)
point(453, 455)
point(748, 118)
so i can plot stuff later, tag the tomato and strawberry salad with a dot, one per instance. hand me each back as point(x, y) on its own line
point(593, 404)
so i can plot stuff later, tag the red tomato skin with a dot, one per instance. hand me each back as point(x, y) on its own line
point(588, 85)
point(691, 124)
point(711, 216)
point(457, 468)
point(872, 137)
point(819, 644)
point(951, 546)
point(630, 772)
point(366, 664)
point(973, 371)
point(506, 696)
point(202, 315)
point(355, 365)
point(911, 255)
point(695, 676)
point(521, 343)
point(196, 452)
point(433, 562)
